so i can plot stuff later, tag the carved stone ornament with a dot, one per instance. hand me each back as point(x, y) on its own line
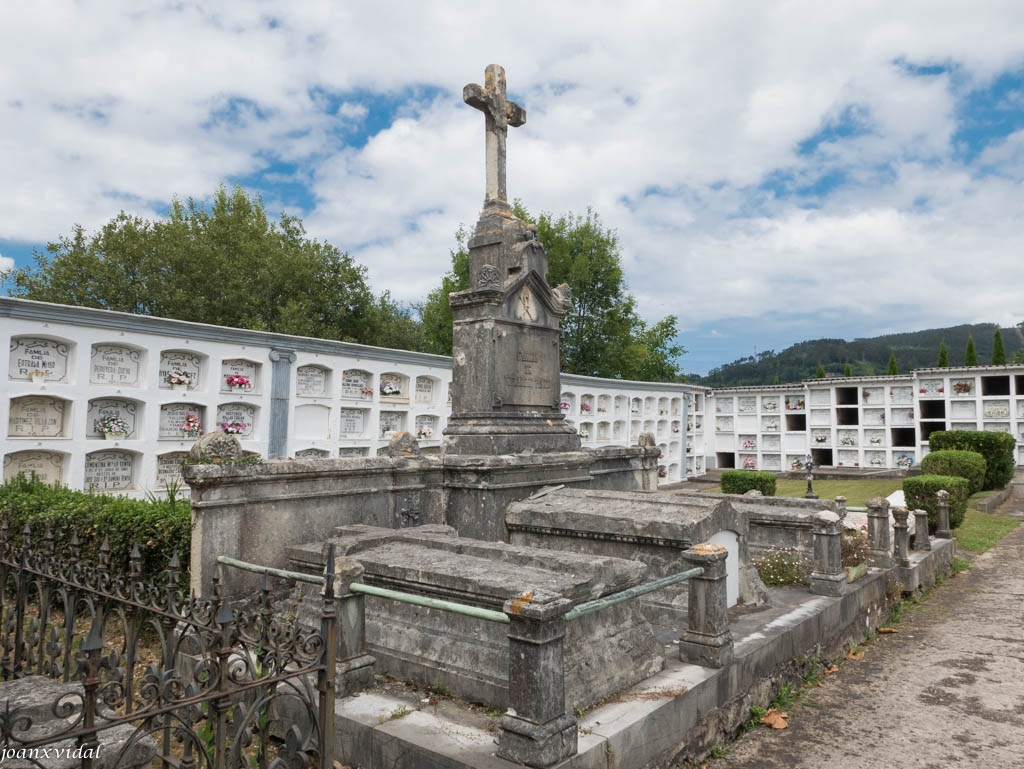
point(216, 445)
point(489, 277)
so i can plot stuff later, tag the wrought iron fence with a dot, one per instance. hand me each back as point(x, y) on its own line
point(149, 676)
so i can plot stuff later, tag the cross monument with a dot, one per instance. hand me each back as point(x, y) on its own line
point(500, 114)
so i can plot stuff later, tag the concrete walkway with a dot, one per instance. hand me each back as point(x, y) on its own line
point(947, 690)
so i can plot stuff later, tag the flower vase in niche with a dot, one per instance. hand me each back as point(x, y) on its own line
point(113, 427)
point(179, 380)
point(237, 383)
point(233, 428)
point(191, 426)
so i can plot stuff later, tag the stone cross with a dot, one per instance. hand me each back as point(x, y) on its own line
point(500, 114)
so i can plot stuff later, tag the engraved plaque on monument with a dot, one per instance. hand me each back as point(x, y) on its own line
point(110, 407)
point(353, 421)
point(36, 416)
point(173, 417)
point(176, 361)
point(311, 381)
point(32, 357)
point(424, 389)
point(235, 373)
point(168, 468)
point(312, 454)
point(109, 470)
point(47, 466)
point(114, 364)
point(236, 419)
point(356, 385)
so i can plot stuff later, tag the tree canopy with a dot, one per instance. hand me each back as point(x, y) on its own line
point(943, 355)
point(602, 334)
point(892, 369)
point(228, 265)
point(970, 354)
point(998, 351)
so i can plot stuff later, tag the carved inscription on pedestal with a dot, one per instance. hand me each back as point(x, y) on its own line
point(526, 377)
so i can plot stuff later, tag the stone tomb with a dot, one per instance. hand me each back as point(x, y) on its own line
point(653, 528)
point(605, 651)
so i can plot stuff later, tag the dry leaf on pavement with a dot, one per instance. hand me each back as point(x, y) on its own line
point(775, 719)
point(831, 669)
point(854, 655)
point(888, 630)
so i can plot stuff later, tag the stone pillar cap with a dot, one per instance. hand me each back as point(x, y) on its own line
point(827, 516)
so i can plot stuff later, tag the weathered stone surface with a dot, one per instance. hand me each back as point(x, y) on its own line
point(604, 652)
point(404, 445)
point(216, 445)
point(653, 528)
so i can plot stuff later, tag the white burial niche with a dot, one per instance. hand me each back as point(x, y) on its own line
point(115, 365)
point(39, 359)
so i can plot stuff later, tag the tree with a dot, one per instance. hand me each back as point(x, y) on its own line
point(998, 353)
point(943, 355)
point(602, 333)
point(892, 369)
point(228, 265)
point(847, 370)
point(820, 373)
point(775, 381)
point(970, 355)
point(1018, 357)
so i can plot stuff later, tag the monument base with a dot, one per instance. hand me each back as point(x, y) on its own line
point(497, 435)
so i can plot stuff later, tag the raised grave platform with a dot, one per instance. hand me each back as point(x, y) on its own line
point(652, 528)
point(605, 652)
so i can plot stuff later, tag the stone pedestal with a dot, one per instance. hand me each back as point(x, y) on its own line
point(828, 577)
point(505, 373)
point(907, 576)
point(942, 530)
point(540, 733)
point(879, 539)
point(707, 640)
point(353, 666)
point(921, 541)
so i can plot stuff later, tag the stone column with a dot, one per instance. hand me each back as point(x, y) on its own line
point(280, 395)
point(707, 640)
point(902, 536)
point(353, 666)
point(841, 509)
point(828, 577)
point(540, 733)
point(921, 541)
point(943, 531)
point(879, 546)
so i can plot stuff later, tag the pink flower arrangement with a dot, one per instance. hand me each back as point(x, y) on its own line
point(237, 380)
point(233, 428)
point(191, 425)
point(584, 407)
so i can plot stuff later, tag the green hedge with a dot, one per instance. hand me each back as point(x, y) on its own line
point(963, 464)
point(161, 527)
point(742, 481)
point(919, 492)
point(996, 448)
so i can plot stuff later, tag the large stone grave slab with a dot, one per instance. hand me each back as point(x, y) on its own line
point(653, 528)
point(605, 651)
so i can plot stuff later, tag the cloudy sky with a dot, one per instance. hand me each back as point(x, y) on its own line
point(775, 171)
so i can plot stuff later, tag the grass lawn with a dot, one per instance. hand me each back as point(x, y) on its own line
point(980, 531)
point(857, 492)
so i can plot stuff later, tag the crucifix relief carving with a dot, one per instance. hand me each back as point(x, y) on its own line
point(500, 114)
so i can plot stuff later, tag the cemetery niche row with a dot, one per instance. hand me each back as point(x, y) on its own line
point(42, 360)
point(45, 416)
point(315, 381)
point(619, 405)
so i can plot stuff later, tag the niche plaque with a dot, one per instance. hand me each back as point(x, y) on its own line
point(31, 356)
point(114, 364)
point(36, 416)
point(109, 470)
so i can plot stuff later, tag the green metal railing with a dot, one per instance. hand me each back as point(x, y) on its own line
point(461, 608)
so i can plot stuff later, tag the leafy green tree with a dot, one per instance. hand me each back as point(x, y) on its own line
point(943, 355)
point(998, 352)
point(229, 265)
point(1018, 357)
point(892, 369)
point(970, 354)
point(847, 370)
point(602, 333)
point(775, 381)
point(820, 373)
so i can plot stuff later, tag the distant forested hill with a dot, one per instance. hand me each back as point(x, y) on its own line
point(867, 357)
